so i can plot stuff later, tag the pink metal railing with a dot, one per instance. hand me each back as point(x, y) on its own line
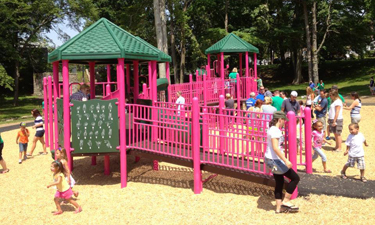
point(102, 84)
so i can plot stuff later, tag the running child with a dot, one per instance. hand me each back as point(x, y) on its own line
point(22, 140)
point(354, 146)
point(61, 156)
point(318, 141)
point(63, 189)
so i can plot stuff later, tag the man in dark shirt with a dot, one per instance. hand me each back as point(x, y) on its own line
point(321, 109)
point(229, 104)
point(82, 94)
point(291, 104)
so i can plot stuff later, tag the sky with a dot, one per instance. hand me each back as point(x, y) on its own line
point(53, 35)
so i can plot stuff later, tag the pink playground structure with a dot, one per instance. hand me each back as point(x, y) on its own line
point(200, 134)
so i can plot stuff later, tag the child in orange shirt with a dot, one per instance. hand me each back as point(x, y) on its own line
point(22, 140)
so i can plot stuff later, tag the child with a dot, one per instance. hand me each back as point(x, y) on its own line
point(354, 146)
point(22, 140)
point(302, 110)
point(63, 189)
point(61, 156)
point(318, 140)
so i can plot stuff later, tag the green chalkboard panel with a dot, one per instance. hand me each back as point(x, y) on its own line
point(95, 126)
point(60, 120)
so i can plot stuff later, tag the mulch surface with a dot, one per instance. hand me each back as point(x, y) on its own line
point(166, 196)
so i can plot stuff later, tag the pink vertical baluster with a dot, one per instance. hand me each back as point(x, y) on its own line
point(222, 72)
point(195, 147)
point(221, 124)
point(247, 69)
point(205, 89)
point(136, 80)
point(154, 81)
point(50, 114)
point(238, 93)
point(292, 144)
point(55, 67)
point(169, 81)
point(46, 118)
point(121, 87)
point(208, 67)
point(205, 134)
point(108, 86)
point(66, 103)
point(190, 88)
point(308, 141)
point(150, 84)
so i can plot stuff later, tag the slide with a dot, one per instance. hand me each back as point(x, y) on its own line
point(113, 95)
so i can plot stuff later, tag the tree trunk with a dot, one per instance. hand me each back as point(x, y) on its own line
point(314, 46)
point(16, 82)
point(159, 32)
point(182, 44)
point(308, 38)
point(173, 41)
point(226, 16)
point(297, 66)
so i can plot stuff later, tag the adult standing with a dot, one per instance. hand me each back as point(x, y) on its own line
point(321, 85)
point(321, 110)
point(291, 104)
point(277, 101)
point(283, 95)
point(311, 85)
point(309, 99)
point(276, 161)
point(260, 96)
point(2, 161)
point(335, 118)
point(250, 101)
point(39, 135)
point(334, 87)
point(355, 108)
point(233, 81)
point(82, 94)
point(268, 108)
point(229, 104)
point(267, 93)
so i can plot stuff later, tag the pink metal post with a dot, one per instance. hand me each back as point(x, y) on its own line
point(136, 80)
point(238, 92)
point(121, 87)
point(127, 78)
point(208, 65)
point(154, 81)
point(56, 88)
point(154, 99)
point(108, 86)
point(255, 73)
point(222, 71)
point(92, 96)
point(45, 90)
point(150, 81)
point(292, 144)
point(195, 147)
point(221, 123)
point(66, 116)
point(145, 92)
point(308, 140)
point(107, 170)
point(169, 80)
point(240, 55)
point(50, 113)
point(191, 87)
point(205, 87)
point(92, 80)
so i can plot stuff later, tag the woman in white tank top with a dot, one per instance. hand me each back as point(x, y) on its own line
point(309, 99)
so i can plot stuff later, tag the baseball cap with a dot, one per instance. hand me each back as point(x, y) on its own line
point(252, 94)
point(22, 124)
point(294, 93)
point(280, 115)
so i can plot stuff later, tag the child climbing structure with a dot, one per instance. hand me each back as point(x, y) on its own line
point(194, 134)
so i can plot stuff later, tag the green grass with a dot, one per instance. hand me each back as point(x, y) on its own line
point(14, 113)
point(352, 75)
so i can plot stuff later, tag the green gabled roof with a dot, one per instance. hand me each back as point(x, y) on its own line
point(231, 44)
point(105, 42)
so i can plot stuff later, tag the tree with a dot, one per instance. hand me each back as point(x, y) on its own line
point(23, 23)
point(161, 31)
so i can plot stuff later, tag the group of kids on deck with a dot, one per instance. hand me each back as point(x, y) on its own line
point(63, 180)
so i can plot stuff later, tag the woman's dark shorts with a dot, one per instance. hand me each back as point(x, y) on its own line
point(39, 133)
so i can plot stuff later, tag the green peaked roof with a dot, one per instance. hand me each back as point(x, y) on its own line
point(105, 42)
point(231, 44)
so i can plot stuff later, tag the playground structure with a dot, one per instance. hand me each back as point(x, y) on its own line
point(199, 134)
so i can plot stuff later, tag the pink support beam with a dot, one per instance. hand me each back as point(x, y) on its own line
point(205, 87)
point(50, 113)
point(308, 148)
point(45, 111)
point(92, 80)
point(107, 170)
point(145, 92)
point(208, 68)
point(221, 124)
point(195, 147)
point(136, 80)
point(222, 71)
point(121, 87)
point(150, 81)
point(56, 87)
point(127, 78)
point(108, 86)
point(169, 80)
point(238, 92)
point(66, 116)
point(292, 144)
point(240, 56)
point(154, 81)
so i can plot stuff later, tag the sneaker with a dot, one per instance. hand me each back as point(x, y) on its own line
point(328, 138)
point(24, 158)
point(20, 161)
